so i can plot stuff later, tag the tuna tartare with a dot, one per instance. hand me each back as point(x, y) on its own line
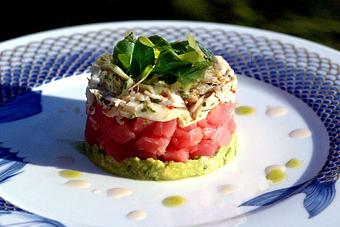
point(159, 110)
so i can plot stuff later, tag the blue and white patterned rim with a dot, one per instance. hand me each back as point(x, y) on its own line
point(313, 79)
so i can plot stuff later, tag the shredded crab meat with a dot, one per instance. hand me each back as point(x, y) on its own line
point(153, 96)
point(196, 105)
point(105, 86)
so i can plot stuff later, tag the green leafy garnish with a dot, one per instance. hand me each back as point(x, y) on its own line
point(167, 63)
point(146, 41)
point(146, 72)
point(153, 58)
point(123, 51)
point(155, 100)
point(142, 57)
point(188, 75)
point(159, 41)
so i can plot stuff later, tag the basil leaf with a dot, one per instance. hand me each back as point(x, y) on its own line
point(160, 45)
point(123, 51)
point(124, 61)
point(180, 47)
point(209, 55)
point(153, 58)
point(159, 41)
point(188, 75)
point(168, 63)
point(141, 58)
point(191, 57)
point(146, 41)
point(194, 45)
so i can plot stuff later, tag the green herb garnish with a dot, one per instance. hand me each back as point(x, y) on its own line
point(155, 100)
point(153, 58)
point(146, 108)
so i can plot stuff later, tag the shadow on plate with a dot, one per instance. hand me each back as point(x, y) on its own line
point(50, 137)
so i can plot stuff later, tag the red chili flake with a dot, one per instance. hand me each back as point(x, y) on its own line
point(169, 107)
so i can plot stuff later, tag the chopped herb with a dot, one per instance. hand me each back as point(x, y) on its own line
point(146, 108)
point(127, 84)
point(204, 104)
point(152, 110)
point(155, 100)
point(132, 116)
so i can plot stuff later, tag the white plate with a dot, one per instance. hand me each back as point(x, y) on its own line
point(41, 137)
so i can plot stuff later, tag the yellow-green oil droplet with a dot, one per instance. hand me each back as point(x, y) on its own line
point(70, 173)
point(245, 110)
point(276, 175)
point(293, 163)
point(174, 201)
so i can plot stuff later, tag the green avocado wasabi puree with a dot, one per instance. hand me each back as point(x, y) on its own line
point(152, 169)
point(245, 110)
point(174, 201)
point(70, 173)
point(293, 163)
point(276, 175)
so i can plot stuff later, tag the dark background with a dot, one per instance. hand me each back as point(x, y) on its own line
point(317, 20)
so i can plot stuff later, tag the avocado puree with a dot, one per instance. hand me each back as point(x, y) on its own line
point(151, 169)
point(174, 201)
